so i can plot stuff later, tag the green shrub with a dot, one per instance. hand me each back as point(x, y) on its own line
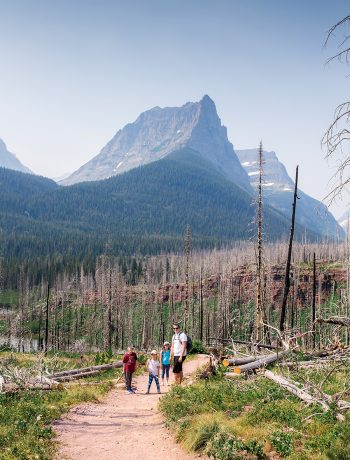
point(197, 347)
point(142, 359)
point(340, 449)
point(282, 442)
point(225, 446)
point(104, 357)
point(276, 411)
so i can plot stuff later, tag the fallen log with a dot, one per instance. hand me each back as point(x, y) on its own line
point(232, 375)
point(337, 320)
point(295, 390)
point(54, 381)
point(74, 383)
point(257, 364)
point(318, 362)
point(334, 352)
point(82, 375)
point(244, 342)
point(82, 370)
point(238, 361)
point(304, 396)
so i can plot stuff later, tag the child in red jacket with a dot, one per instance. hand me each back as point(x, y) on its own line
point(130, 365)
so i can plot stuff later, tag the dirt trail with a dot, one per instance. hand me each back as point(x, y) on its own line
point(122, 427)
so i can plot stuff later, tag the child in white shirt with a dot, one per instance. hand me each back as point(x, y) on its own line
point(153, 366)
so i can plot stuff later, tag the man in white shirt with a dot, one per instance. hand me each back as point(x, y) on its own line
point(179, 352)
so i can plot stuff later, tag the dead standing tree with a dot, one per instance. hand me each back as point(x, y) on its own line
point(338, 133)
point(289, 257)
point(314, 302)
point(258, 329)
point(187, 268)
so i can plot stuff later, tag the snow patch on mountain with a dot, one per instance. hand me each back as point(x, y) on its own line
point(278, 188)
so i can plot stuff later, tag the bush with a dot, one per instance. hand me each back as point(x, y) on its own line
point(282, 442)
point(340, 449)
point(225, 446)
point(142, 359)
point(104, 357)
point(197, 347)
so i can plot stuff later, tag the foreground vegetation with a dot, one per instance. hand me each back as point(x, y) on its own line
point(26, 416)
point(255, 419)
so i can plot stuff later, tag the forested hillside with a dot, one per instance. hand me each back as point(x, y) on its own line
point(144, 211)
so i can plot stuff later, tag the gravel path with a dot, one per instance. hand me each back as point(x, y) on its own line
point(122, 426)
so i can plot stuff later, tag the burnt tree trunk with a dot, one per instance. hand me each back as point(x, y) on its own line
point(289, 257)
point(314, 303)
point(47, 320)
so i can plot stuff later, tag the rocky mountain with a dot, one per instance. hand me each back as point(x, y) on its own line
point(10, 161)
point(278, 190)
point(160, 131)
point(343, 220)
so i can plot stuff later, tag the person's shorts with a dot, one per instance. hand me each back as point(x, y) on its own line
point(178, 366)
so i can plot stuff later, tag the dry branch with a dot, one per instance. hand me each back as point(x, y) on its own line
point(337, 320)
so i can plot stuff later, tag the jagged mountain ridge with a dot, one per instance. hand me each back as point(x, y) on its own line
point(160, 131)
point(10, 161)
point(279, 188)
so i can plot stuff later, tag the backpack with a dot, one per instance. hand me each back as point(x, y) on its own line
point(189, 345)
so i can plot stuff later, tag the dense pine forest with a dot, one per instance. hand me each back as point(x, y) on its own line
point(48, 229)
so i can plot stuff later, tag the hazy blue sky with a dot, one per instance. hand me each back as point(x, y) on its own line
point(74, 72)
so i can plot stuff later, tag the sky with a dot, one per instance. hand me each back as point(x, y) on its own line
point(74, 72)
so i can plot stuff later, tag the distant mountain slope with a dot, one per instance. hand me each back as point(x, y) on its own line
point(10, 161)
point(160, 131)
point(142, 211)
point(344, 220)
point(278, 190)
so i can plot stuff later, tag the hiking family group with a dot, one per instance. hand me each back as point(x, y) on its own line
point(171, 354)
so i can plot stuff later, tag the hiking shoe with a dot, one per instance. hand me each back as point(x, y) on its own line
point(130, 392)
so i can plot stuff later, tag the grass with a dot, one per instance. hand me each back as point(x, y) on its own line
point(26, 417)
point(254, 419)
point(8, 297)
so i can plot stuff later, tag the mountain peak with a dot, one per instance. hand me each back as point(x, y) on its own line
point(2, 145)
point(10, 161)
point(208, 108)
point(160, 131)
point(207, 100)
